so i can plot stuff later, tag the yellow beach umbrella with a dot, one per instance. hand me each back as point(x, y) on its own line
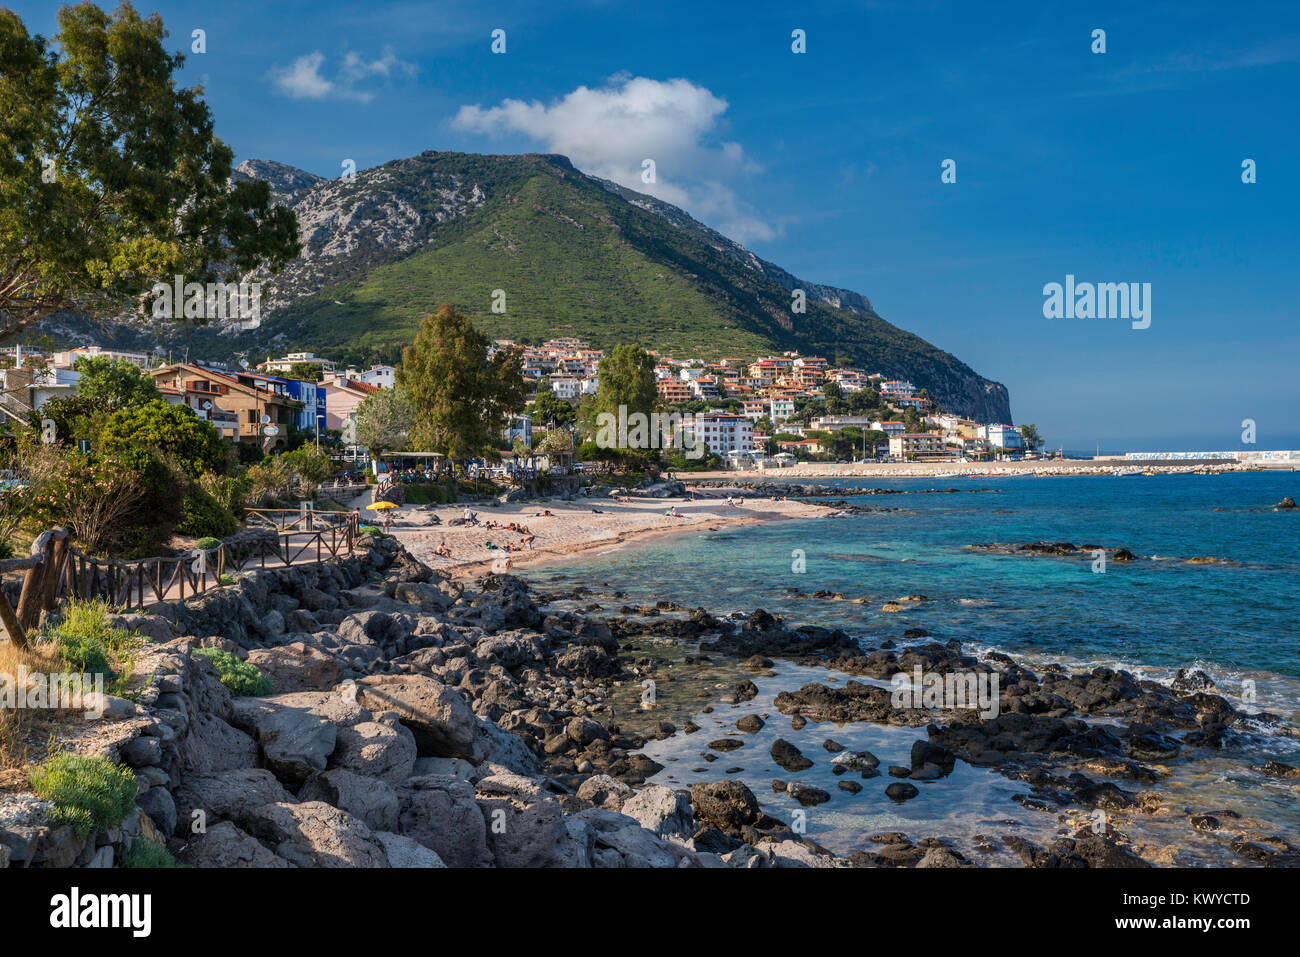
point(378, 505)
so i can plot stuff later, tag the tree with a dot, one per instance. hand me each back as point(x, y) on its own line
point(831, 390)
point(172, 431)
point(110, 176)
point(556, 440)
point(384, 421)
point(113, 383)
point(305, 371)
point(1030, 434)
point(551, 410)
point(627, 378)
point(312, 468)
point(460, 395)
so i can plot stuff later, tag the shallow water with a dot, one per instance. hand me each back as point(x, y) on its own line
point(1236, 619)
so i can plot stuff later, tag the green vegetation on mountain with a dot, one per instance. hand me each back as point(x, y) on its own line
point(573, 256)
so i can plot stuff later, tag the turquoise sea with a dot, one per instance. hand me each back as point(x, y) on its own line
point(1236, 618)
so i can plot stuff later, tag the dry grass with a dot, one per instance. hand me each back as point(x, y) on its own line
point(25, 734)
point(80, 642)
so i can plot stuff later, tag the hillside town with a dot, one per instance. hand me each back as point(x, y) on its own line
point(749, 413)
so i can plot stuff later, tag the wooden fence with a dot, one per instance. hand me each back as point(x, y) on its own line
point(56, 569)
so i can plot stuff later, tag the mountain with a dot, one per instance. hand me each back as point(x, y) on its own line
point(573, 255)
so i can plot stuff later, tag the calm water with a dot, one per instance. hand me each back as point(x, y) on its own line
point(1152, 616)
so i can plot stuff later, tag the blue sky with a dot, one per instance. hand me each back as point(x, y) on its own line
point(1116, 167)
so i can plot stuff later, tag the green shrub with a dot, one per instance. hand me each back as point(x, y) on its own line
point(240, 678)
point(89, 644)
point(89, 794)
point(227, 579)
point(201, 514)
point(83, 654)
point(207, 543)
point(146, 853)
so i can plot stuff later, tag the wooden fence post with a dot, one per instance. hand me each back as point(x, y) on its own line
point(17, 635)
point(29, 602)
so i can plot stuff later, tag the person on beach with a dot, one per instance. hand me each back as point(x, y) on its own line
point(388, 523)
point(471, 517)
point(442, 551)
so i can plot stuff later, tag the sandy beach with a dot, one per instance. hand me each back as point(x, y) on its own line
point(572, 527)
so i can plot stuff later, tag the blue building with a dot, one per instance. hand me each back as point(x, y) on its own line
point(312, 397)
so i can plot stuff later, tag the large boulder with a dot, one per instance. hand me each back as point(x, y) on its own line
point(525, 825)
point(377, 750)
point(368, 799)
point(227, 846)
point(406, 853)
point(315, 834)
point(295, 742)
point(726, 805)
point(661, 810)
point(212, 745)
point(441, 813)
point(441, 721)
point(297, 667)
point(619, 841)
point(225, 796)
point(605, 791)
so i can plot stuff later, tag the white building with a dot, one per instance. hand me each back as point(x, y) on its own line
point(890, 428)
point(1003, 436)
point(566, 386)
point(833, 423)
point(724, 432)
point(915, 443)
point(282, 365)
point(381, 377)
point(65, 360)
point(782, 408)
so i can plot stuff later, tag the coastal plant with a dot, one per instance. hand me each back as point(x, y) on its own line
point(241, 678)
point(202, 514)
point(311, 467)
point(265, 480)
point(89, 794)
point(208, 543)
point(144, 853)
point(87, 644)
point(95, 499)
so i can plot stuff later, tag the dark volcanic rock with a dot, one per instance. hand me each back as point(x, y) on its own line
point(901, 791)
point(724, 804)
point(788, 756)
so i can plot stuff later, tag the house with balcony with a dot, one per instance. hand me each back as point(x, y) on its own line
point(263, 409)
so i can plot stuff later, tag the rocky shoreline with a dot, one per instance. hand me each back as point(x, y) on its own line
point(417, 720)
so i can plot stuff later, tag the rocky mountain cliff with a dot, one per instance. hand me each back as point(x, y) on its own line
point(573, 255)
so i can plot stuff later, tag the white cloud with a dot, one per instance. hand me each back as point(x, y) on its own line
point(610, 131)
point(304, 80)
